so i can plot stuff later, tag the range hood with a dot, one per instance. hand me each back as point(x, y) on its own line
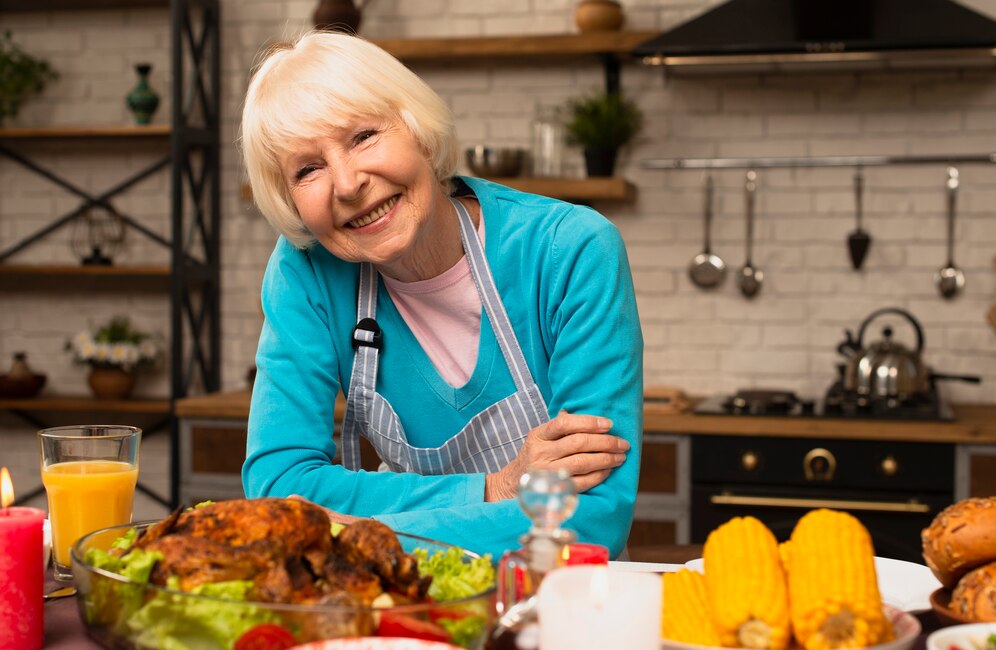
point(810, 35)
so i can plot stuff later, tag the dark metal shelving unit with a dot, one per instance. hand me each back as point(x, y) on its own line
point(194, 243)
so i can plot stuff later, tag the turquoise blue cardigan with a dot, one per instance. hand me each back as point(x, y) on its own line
point(564, 278)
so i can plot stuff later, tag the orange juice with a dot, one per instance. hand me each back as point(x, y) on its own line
point(84, 496)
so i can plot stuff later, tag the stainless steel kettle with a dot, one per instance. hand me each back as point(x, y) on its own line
point(887, 369)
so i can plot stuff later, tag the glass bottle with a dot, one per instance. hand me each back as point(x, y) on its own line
point(549, 498)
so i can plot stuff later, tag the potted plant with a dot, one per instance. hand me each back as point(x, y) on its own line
point(602, 124)
point(21, 75)
point(114, 352)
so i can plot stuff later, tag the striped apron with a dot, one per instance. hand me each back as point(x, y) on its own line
point(490, 440)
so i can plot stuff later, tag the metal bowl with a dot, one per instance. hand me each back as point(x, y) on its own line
point(495, 162)
point(126, 615)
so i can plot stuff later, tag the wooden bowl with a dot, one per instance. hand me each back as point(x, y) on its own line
point(940, 602)
point(21, 387)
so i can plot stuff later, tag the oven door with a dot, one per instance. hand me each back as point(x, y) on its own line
point(894, 525)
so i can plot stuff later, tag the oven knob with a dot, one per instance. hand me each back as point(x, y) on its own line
point(749, 461)
point(889, 466)
point(819, 465)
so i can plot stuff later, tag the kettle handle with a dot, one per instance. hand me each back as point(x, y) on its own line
point(848, 347)
point(892, 310)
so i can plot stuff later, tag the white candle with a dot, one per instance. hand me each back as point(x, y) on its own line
point(598, 608)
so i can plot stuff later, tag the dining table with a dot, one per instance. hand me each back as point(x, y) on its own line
point(64, 629)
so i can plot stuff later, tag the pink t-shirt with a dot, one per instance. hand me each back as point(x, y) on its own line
point(444, 314)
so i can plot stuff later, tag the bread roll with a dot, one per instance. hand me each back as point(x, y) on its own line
point(961, 538)
point(975, 596)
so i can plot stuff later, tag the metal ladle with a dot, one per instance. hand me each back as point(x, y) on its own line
point(707, 270)
point(750, 278)
point(950, 280)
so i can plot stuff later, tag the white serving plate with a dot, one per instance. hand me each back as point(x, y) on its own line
point(905, 625)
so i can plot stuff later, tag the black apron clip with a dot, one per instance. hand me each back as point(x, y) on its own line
point(368, 333)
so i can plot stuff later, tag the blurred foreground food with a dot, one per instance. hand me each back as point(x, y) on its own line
point(819, 588)
point(833, 588)
point(959, 546)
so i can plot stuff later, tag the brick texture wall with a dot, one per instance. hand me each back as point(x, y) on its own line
point(704, 342)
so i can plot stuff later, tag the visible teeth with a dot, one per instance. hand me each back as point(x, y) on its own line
point(374, 215)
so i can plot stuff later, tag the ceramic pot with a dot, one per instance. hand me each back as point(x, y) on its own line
point(337, 15)
point(598, 15)
point(600, 162)
point(110, 383)
point(142, 100)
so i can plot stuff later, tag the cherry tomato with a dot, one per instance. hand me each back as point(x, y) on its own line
point(266, 636)
point(409, 627)
point(437, 614)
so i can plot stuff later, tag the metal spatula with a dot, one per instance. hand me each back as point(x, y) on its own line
point(859, 241)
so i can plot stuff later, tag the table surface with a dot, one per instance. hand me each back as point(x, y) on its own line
point(64, 629)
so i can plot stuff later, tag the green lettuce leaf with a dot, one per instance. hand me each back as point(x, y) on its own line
point(171, 622)
point(452, 578)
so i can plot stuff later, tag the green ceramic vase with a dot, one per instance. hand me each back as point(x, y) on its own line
point(142, 100)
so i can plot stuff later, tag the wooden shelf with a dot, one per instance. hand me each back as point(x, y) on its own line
point(69, 404)
point(568, 189)
point(61, 5)
point(45, 132)
point(551, 46)
point(63, 270)
point(575, 189)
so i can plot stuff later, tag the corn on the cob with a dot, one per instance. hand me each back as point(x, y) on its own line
point(833, 589)
point(686, 609)
point(746, 585)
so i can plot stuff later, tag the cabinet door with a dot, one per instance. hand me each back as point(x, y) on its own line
point(975, 471)
point(661, 516)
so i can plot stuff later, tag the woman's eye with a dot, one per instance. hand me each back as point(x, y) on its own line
point(304, 171)
point(364, 135)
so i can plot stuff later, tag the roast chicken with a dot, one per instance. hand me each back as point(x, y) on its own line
point(286, 548)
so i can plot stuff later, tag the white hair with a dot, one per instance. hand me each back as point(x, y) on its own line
point(321, 81)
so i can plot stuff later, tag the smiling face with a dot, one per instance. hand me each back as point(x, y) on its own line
point(331, 96)
point(368, 193)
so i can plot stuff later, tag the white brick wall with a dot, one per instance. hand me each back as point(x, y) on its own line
point(702, 341)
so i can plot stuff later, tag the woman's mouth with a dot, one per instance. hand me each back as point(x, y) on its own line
point(373, 215)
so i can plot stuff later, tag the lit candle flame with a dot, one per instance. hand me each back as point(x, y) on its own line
point(6, 488)
point(598, 590)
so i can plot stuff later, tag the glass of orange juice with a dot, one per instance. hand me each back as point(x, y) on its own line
point(89, 473)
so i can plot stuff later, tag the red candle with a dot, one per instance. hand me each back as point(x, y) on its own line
point(579, 553)
point(22, 575)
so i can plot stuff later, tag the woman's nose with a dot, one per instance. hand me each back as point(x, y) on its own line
point(348, 180)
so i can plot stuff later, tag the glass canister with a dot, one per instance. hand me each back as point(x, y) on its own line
point(548, 142)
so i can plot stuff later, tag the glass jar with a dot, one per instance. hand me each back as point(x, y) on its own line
point(548, 142)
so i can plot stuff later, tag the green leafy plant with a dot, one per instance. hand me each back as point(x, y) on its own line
point(603, 121)
point(21, 75)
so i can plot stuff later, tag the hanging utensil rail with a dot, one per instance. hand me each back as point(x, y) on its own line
point(814, 161)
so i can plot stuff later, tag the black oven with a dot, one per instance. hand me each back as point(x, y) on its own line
point(894, 488)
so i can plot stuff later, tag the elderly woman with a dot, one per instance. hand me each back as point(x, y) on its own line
point(475, 330)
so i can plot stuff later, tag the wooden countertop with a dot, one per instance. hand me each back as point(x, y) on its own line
point(973, 423)
point(233, 405)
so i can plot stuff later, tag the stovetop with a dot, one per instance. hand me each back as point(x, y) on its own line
point(836, 404)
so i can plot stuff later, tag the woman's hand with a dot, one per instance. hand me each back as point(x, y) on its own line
point(334, 517)
point(578, 443)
